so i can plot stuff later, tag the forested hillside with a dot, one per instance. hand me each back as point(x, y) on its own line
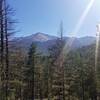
point(44, 41)
point(60, 75)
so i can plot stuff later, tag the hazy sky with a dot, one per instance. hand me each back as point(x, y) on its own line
point(45, 16)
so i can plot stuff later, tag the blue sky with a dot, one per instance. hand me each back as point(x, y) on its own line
point(45, 16)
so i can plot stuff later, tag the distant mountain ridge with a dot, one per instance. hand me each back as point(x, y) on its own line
point(45, 41)
point(39, 37)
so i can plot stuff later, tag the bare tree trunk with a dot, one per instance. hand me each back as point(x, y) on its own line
point(32, 90)
point(2, 46)
point(83, 94)
point(7, 51)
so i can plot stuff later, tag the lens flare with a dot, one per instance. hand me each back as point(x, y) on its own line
point(69, 43)
point(97, 46)
point(78, 26)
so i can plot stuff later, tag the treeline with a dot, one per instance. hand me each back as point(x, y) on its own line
point(58, 76)
point(61, 76)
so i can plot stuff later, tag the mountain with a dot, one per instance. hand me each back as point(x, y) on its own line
point(45, 41)
point(38, 37)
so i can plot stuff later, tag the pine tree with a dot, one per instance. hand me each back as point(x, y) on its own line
point(31, 66)
point(34, 74)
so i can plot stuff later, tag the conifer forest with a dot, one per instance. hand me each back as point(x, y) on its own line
point(48, 67)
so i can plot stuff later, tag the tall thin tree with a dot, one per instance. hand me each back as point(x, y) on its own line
point(5, 24)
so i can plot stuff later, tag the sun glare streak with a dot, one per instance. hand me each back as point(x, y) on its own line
point(97, 46)
point(83, 16)
point(78, 26)
point(69, 43)
point(96, 53)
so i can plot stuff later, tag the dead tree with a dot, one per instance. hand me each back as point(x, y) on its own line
point(5, 29)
